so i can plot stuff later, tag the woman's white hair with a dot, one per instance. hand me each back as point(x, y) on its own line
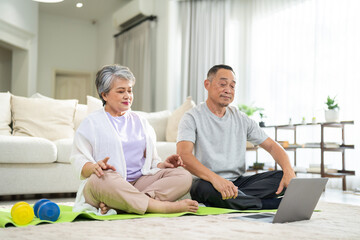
point(107, 74)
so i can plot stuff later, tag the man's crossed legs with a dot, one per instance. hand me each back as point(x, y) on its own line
point(254, 192)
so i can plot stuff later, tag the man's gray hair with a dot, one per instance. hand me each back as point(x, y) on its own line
point(212, 72)
point(107, 74)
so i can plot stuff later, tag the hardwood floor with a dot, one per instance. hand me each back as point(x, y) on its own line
point(339, 196)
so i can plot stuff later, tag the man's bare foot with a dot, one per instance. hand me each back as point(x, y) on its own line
point(104, 208)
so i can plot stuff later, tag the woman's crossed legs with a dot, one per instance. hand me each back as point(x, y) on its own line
point(150, 193)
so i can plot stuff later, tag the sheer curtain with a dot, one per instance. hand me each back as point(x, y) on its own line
point(297, 53)
point(199, 43)
point(136, 50)
point(288, 56)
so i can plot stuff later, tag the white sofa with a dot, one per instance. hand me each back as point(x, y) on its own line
point(35, 142)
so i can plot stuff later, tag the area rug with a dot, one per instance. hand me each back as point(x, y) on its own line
point(334, 221)
point(67, 215)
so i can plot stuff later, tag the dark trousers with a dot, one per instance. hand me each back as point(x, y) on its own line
point(251, 189)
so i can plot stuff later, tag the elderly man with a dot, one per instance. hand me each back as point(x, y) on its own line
point(219, 133)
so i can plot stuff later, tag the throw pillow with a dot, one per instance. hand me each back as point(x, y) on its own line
point(38, 95)
point(93, 104)
point(5, 113)
point(158, 120)
point(174, 119)
point(80, 112)
point(42, 117)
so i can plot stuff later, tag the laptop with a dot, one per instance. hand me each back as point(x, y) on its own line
point(298, 203)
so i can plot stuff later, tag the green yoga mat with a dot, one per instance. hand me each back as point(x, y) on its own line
point(67, 215)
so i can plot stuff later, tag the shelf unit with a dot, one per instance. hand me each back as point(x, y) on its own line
point(253, 149)
point(341, 173)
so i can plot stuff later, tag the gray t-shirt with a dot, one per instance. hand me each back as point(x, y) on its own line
point(220, 143)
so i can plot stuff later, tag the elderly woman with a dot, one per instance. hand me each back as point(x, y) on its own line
point(114, 154)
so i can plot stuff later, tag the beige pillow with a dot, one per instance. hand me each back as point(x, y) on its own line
point(38, 95)
point(80, 112)
point(158, 120)
point(93, 104)
point(42, 117)
point(5, 113)
point(174, 119)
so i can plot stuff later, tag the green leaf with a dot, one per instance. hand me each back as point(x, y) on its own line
point(331, 103)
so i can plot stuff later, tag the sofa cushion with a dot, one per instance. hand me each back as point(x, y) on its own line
point(165, 149)
point(42, 117)
point(80, 114)
point(174, 119)
point(43, 178)
point(158, 120)
point(39, 95)
point(5, 116)
point(16, 149)
point(93, 104)
point(63, 147)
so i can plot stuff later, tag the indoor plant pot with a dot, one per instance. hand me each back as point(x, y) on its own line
point(332, 115)
point(332, 111)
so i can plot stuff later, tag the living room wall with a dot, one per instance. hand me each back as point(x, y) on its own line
point(5, 69)
point(106, 43)
point(18, 32)
point(79, 45)
point(75, 45)
point(64, 44)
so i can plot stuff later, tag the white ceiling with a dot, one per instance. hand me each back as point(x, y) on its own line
point(92, 10)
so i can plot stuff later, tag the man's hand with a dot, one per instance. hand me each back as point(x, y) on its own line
point(285, 180)
point(172, 161)
point(281, 157)
point(225, 187)
point(101, 165)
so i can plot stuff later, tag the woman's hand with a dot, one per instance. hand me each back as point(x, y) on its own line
point(96, 168)
point(102, 165)
point(172, 161)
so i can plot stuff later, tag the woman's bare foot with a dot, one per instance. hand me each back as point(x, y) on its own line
point(104, 208)
point(156, 206)
point(186, 205)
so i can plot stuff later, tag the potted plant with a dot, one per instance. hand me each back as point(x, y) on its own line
point(249, 110)
point(332, 111)
point(262, 116)
point(258, 166)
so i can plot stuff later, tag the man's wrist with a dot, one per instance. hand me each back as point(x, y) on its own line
point(288, 171)
point(213, 177)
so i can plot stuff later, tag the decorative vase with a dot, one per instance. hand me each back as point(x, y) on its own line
point(332, 115)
